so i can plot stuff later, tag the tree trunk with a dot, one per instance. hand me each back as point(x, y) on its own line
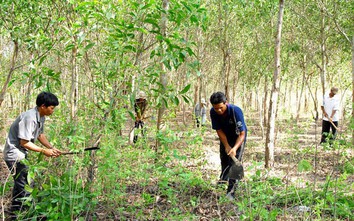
point(269, 149)
point(163, 75)
point(302, 89)
point(9, 75)
point(353, 89)
point(74, 81)
point(323, 53)
point(265, 101)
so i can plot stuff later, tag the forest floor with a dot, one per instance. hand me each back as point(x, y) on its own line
point(294, 142)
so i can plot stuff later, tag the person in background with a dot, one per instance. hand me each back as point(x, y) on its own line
point(23, 133)
point(228, 121)
point(200, 112)
point(330, 111)
point(140, 107)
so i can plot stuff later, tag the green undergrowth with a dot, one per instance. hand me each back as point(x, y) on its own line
point(169, 182)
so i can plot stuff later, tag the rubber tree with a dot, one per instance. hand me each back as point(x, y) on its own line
point(163, 74)
point(270, 137)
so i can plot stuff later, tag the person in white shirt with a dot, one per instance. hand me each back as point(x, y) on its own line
point(330, 110)
point(200, 112)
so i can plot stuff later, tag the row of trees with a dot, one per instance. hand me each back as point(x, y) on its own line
point(96, 54)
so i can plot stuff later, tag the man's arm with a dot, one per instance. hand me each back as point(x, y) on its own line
point(332, 114)
point(239, 141)
point(31, 146)
point(44, 141)
point(324, 112)
point(223, 140)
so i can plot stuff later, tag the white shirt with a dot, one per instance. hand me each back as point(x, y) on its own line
point(330, 104)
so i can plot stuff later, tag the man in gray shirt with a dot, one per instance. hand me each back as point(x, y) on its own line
point(23, 133)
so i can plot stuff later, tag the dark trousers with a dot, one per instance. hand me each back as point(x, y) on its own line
point(138, 125)
point(197, 119)
point(226, 163)
point(19, 172)
point(326, 128)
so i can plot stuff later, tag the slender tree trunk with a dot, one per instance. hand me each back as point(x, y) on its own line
point(196, 91)
point(224, 70)
point(9, 75)
point(260, 108)
point(235, 83)
point(200, 87)
point(265, 101)
point(353, 89)
point(163, 75)
point(228, 68)
point(323, 53)
point(314, 99)
point(74, 82)
point(302, 89)
point(269, 149)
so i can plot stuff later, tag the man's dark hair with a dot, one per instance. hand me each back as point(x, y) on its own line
point(217, 98)
point(47, 98)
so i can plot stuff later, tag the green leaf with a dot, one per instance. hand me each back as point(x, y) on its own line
point(199, 73)
point(130, 48)
point(165, 102)
point(185, 98)
point(131, 114)
point(89, 46)
point(304, 165)
point(41, 60)
point(185, 89)
point(176, 101)
point(159, 37)
point(152, 21)
point(194, 19)
point(69, 47)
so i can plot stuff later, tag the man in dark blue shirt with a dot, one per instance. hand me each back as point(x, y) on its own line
point(228, 121)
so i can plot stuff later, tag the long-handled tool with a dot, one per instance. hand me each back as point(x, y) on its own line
point(334, 125)
point(236, 170)
point(77, 152)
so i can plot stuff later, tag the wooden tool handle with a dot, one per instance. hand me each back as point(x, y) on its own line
point(237, 162)
point(333, 124)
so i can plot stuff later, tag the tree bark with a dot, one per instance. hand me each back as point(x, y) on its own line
point(302, 89)
point(265, 119)
point(352, 89)
point(74, 82)
point(323, 53)
point(269, 149)
point(163, 75)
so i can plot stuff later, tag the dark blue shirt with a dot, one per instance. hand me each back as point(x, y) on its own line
point(227, 123)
